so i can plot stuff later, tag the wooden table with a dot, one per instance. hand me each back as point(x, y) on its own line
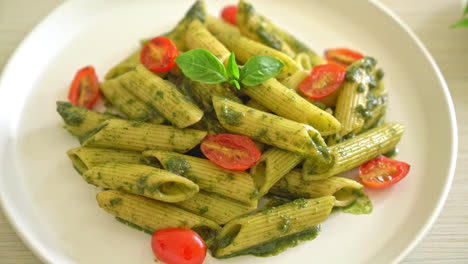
point(447, 242)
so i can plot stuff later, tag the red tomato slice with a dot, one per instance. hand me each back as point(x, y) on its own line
point(178, 246)
point(322, 81)
point(229, 14)
point(230, 151)
point(382, 172)
point(159, 54)
point(84, 90)
point(342, 56)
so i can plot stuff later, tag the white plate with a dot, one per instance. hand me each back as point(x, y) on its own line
point(55, 211)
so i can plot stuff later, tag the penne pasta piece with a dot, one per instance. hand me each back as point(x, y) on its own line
point(256, 105)
point(216, 26)
point(358, 150)
point(293, 186)
point(84, 158)
point(124, 66)
point(129, 104)
point(259, 28)
point(288, 104)
point(177, 35)
point(80, 121)
point(351, 103)
point(143, 180)
point(216, 207)
point(140, 136)
point(246, 48)
point(152, 215)
point(198, 37)
point(303, 60)
point(162, 95)
point(273, 130)
point(203, 93)
point(293, 81)
point(242, 234)
point(237, 185)
point(272, 166)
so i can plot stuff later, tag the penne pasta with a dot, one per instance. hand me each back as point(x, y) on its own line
point(143, 180)
point(239, 235)
point(208, 176)
point(140, 136)
point(152, 215)
point(84, 158)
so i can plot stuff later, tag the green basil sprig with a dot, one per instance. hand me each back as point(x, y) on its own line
point(202, 66)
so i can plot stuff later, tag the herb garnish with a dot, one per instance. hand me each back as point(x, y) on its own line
point(202, 66)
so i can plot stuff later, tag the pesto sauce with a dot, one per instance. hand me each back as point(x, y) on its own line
point(196, 12)
point(115, 201)
point(392, 153)
point(72, 115)
point(268, 38)
point(362, 205)
point(132, 225)
point(177, 165)
point(231, 116)
point(279, 245)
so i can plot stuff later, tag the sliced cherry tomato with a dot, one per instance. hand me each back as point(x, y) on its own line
point(230, 151)
point(159, 54)
point(342, 56)
point(229, 14)
point(382, 172)
point(84, 90)
point(178, 246)
point(322, 81)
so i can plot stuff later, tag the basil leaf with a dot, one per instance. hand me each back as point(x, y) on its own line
point(202, 66)
point(258, 69)
point(232, 68)
point(236, 83)
point(461, 23)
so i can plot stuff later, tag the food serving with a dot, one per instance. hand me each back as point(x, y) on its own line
point(229, 135)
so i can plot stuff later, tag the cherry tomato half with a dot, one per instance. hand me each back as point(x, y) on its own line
point(230, 151)
point(159, 54)
point(229, 14)
point(382, 172)
point(84, 90)
point(322, 81)
point(178, 246)
point(342, 56)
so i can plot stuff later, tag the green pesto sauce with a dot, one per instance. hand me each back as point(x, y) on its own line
point(363, 112)
point(197, 12)
point(141, 184)
point(203, 210)
point(285, 224)
point(72, 115)
point(279, 245)
point(372, 101)
point(361, 88)
point(268, 38)
point(379, 74)
point(274, 201)
point(392, 153)
point(231, 116)
point(177, 165)
point(115, 201)
point(160, 94)
point(132, 225)
point(362, 205)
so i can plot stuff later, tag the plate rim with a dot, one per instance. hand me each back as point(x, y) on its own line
point(43, 253)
